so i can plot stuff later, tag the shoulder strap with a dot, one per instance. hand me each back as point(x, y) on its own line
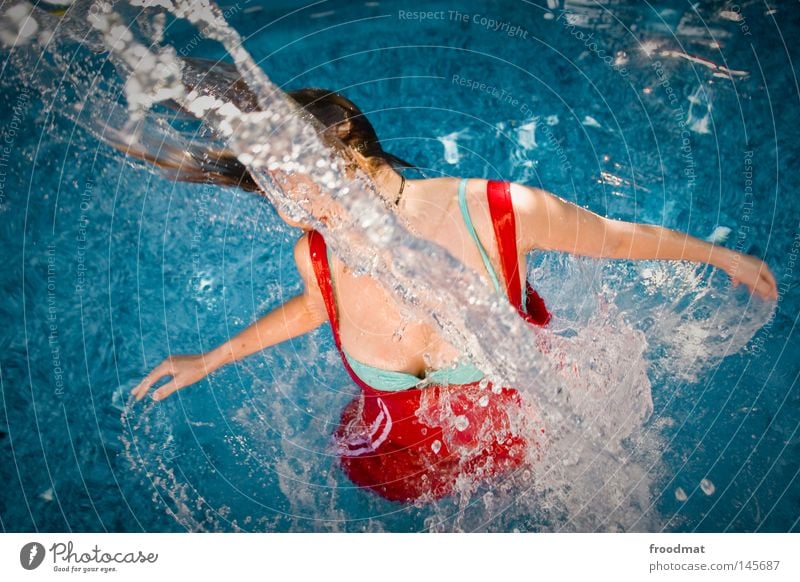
point(462, 202)
point(319, 259)
point(501, 209)
point(505, 231)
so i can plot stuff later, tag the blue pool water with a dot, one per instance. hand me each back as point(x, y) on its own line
point(660, 113)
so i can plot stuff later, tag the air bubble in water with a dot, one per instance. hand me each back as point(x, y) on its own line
point(436, 446)
point(484, 401)
point(461, 423)
point(707, 487)
point(680, 494)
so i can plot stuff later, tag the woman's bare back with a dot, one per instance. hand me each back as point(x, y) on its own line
point(374, 327)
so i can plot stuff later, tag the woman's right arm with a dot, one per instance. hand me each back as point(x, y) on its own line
point(547, 222)
point(296, 317)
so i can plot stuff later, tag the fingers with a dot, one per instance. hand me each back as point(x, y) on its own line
point(758, 279)
point(166, 389)
point(764, 287)
point(159, 372)
point(143, 386)
point(767, 274)
point(182, 371)
point(770, 288)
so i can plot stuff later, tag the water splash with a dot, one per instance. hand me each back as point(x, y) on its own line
point(698, 118)
point(596, 470)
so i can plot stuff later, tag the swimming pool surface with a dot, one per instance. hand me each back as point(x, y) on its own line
point(679, 114)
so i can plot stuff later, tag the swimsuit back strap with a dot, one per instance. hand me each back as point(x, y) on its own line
point(462, 202)
point(505, 231)
point(319, 259)
point(501, 209)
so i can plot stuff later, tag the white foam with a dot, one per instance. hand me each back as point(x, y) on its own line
point(450, 143)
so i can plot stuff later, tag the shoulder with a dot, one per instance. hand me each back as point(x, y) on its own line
point(526, 199)
point(446, 185)
point(533, 216)
point(312, 295)
point(302, 250)
point(302, 258)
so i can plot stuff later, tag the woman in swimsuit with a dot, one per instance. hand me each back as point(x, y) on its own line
point(393, 438)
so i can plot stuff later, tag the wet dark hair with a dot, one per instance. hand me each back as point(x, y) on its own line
point(345, 122)
point(340, 121)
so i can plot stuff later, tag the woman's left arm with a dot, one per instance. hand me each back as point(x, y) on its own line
point(296, 317)
point(547, 222)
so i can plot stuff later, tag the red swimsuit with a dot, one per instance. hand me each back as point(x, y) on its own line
point(416, 443)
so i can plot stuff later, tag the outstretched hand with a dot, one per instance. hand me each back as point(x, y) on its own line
point(754, 273)
point(184, 370)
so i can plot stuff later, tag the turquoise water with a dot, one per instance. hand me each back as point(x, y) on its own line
point(109, 268)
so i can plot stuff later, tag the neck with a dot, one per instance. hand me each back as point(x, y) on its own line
point(391, 185)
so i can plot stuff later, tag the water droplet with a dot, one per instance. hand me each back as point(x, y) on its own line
point(488, 499)
point(204, 282)
point(436, 446)
point(461, 423)
point(707, 487)
point(483, 383)
point(571, 459)
point(484, 401)
point(680, 494)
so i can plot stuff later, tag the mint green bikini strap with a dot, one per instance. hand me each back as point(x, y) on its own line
point(380, 379)
point(392, 381)
point(462, 202)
